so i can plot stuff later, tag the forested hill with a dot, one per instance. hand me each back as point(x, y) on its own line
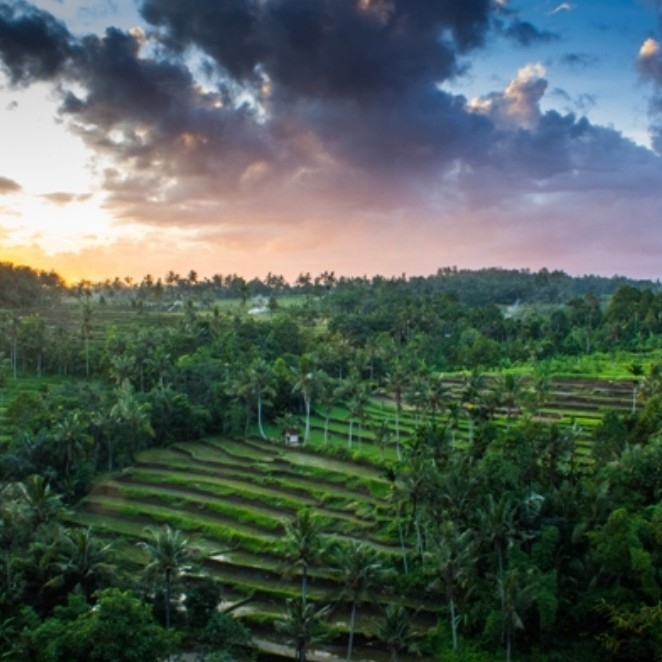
point(508, 286)
point(24, 287)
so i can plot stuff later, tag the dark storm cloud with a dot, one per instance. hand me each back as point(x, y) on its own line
point(328, 48)
point(356, 81)
point(334, 102)
point(227, 31)
point(8, 186)
point(525, 34)
point(33, 44)
point(120, 86)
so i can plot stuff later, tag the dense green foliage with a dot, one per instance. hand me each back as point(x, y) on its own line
point(529, 518)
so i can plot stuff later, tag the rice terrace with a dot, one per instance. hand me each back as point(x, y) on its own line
point(465, 466)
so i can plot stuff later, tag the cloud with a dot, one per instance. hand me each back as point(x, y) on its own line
point(649, 66)
point(525, 34)
point(249, 128)
point(8, 186)
point(649, 61)
point(518, 105)
point(320, 49)
point(578, 60)
point(564, 6)
point(33, 44)
point(61, 198)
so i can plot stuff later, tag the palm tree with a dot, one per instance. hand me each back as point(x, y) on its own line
point(256, 387)
point(508, 388)
point(357, 408)
point(359, 572)
point(303, 544)
point(82, 559)
point(453, 559)
point(473, 392)
point(412, 488)
point(15, 531)
point(14, 333)
point(160, 364)
point(539, 390)
point(122, 367)
point(304, 623)
point(383, 435)
point(396, 632)
point(5, 367)
point(435, 395)
point(327, 397)
point(86, 332)
point(103, 422)
point(517, 591)
point(307, 381)
point(132, 418)
point(71, 432)
point(396, 383)
point(498, 526)
point(39, 502)
point(168, 553)
point(415, 395)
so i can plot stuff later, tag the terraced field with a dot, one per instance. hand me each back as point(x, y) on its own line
point(232, 498)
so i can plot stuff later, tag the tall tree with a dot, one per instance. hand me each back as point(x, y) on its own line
point(256, 387)
point(517, 592)
point(359, 572)
point(73, 436)
point(86, 332)
point(303, 544)
point(304, 624)
point(396, 385)
point(81, 559)
point(396, 632)
point(307, 380)
point(497, 526)
point(454, 557)
point(132, 420)
point(168, 553)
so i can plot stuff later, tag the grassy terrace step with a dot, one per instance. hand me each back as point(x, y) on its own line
point(304, 485)
point(271, 583)
point(288, 500)
point(591, 407)
point(248, 453)
point(284, 501)
point(181, 500)
point(302, 457)
point(111, 523)
point(279, 486)
point(190, 497)
point(223, 529)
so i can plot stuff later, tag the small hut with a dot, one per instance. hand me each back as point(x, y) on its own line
point(292, 436)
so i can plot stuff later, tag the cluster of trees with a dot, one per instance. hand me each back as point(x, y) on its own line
point(523, 548)
point(518, 545)
point(22, 286)
point(66, 596)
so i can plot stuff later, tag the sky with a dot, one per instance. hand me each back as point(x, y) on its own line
point(357, 136)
